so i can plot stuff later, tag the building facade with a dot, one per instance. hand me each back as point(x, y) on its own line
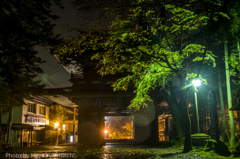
point(28, 124)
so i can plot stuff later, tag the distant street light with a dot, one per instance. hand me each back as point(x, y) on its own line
point(56, 125)
point(196, 83)
point(63, 127)
point(106, 133)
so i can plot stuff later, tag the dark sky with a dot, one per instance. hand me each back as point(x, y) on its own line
point(55, 75)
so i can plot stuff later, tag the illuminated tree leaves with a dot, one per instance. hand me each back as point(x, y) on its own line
point(146, 44)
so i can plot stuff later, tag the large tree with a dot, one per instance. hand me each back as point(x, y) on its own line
point(25, 24)
point(155, 42)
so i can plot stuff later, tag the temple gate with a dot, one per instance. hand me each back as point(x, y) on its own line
point(96, 99)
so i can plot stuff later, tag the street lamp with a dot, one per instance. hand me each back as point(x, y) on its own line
point(63, 127)
point(106, 133)
point(56, 125)
point(196, 83)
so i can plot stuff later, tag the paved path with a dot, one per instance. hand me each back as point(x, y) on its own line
point(112, 151)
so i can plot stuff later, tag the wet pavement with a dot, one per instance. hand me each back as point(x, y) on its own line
point(108, 151)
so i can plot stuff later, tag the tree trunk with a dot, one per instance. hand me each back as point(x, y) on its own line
point(224, 128)
point(229, 95)
point(176, 116)
point(187, 122)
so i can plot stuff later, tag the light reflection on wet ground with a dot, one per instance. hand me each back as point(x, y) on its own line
point(108, 151)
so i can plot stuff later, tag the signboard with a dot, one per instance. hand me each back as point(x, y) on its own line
point(36, 120)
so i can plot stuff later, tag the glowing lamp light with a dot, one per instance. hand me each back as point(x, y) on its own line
point(105, 131)
point(196, 82)
point(56, 125)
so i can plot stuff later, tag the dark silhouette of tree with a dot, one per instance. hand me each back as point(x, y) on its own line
point(25, 24)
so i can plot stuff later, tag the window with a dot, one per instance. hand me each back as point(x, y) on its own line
point(42, 110)
point(71, 138)
point(31, 107)
point(70, 126)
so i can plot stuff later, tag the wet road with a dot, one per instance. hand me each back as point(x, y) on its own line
point(108, 151)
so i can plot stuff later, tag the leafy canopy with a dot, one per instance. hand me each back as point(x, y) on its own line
point(152, 43)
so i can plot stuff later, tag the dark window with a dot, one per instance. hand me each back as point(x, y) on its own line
point(42, 110)
point(31, 107)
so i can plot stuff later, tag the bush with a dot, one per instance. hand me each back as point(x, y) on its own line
point(221, 148)
point(175, 143)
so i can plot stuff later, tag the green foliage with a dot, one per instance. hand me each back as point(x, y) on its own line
point(209, 145)
point(234, 61)
point(175, 143)
point(200, 134)
point(153, 42)
point(146, 44)
point(233, 30)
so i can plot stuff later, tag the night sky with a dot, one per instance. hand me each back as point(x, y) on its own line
point(55, 75)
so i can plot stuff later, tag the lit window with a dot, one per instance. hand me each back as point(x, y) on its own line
point(71, 138)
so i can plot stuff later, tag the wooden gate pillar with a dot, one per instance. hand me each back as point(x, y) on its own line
point(90, 125)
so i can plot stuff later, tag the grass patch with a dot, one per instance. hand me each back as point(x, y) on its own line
point(210, 154)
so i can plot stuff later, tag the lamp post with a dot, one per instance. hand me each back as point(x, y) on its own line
point(196, 83)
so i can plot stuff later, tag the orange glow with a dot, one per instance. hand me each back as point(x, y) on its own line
point(56, 125)
point(105, 131)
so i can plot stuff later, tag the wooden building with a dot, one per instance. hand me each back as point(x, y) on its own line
point(26, 124)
